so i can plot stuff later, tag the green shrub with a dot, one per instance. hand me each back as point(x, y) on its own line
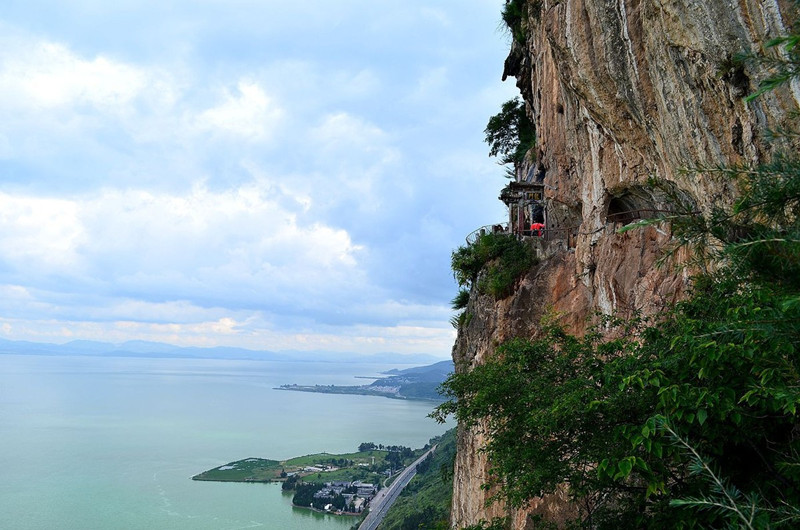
point(513, 14)
point(503, 259)
point(460, 300)
point(459, 303)
point(461, 319)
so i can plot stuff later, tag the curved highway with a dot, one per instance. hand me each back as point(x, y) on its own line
point(381, 503)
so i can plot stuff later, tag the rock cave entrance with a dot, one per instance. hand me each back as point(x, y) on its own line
point(624, 210)
point(633, 203)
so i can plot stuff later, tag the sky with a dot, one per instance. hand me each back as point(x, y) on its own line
point(272, 175)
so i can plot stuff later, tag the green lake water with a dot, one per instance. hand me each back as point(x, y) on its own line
point(111, 443)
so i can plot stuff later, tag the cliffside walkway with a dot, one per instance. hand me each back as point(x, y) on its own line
point(381, 503)
point(569, 233)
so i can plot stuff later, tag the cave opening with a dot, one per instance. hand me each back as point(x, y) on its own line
point(633, 203)
point(623, 210)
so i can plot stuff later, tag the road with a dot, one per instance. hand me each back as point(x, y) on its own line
point(386, 497)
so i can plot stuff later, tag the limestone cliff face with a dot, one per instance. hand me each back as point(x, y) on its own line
point(620, 91)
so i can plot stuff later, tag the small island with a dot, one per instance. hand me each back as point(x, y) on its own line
point(343, 484)
point(421, 382)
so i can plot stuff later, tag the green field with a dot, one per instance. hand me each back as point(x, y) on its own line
point(247, 470)
point(349, 466)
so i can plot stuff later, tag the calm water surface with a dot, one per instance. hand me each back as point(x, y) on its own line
point(112, 442)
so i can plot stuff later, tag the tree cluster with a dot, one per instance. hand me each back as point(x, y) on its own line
point(290, 483)
point(425, 466)
point(304, 494)
point(370, 446)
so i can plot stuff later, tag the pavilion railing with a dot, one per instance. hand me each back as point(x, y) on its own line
point(569, 233)
point(497, 228)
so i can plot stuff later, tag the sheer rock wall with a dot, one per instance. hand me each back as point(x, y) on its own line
point(620, 91)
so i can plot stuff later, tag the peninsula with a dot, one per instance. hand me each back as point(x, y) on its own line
point(421, 382)
point(344, 484)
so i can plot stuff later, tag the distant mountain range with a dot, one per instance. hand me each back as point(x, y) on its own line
point(420, 382)
point(138, 348)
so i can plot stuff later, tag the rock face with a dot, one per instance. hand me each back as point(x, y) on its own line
point(621, 91)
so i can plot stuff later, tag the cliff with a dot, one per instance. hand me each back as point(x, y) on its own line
point(621, 92)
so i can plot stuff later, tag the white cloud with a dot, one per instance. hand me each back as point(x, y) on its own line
point(250, 114)
point(48, 75)
point(122, 120)
point(40, 234)
point(432, 86)
point(358, 160)
point(242, 240)
point(202, 334)
point(374, 339)
point(344, 131)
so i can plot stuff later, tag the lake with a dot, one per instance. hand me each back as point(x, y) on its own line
point(112, 442)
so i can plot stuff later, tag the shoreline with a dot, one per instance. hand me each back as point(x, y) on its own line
point(241, 481)
point(349, 514)
point(354, 391)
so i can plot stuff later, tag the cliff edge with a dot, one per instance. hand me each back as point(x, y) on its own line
point(620, 92)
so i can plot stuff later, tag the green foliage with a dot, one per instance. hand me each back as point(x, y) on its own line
point(460, 300)
point(304, 493)
point(290, 483)
point(502, 258)
point(514, 14)
point(723, 367)
point(758, 233)
point(461, 319)
point(459, 303)
point(249, 469)
point(738, 509)
point(510, 133)
point(552, 411)
point(425, 502)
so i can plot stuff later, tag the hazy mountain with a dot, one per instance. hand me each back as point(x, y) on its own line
point(436, 372)
point(138, 348)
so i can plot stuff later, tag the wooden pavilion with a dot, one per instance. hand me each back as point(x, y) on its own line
point(526, 211)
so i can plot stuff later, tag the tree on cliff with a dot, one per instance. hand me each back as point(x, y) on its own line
point(510, 133)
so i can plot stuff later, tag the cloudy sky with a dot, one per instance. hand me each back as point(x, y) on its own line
point(257, 173)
